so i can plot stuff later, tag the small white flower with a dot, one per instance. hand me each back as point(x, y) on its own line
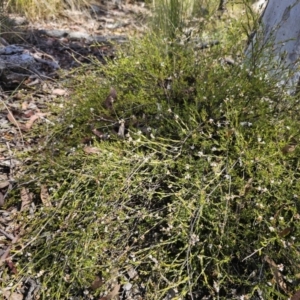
point(280, 267)
point(194, 239)
point(259, 218)
point(92, 109)
point(71, 126)
point(176, 117)
point(200, 153)
point(271, 228)
point(187, 176)
point(211, 121)
point(192, 147)
point(216, 287)
point(284, 243)
point(260, 205)
point(227, 177)
point(169, 110)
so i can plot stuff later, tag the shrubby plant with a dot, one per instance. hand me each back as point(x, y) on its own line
point(200, 197)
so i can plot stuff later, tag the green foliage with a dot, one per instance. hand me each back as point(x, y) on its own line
point(199, 196)
point(171, 17)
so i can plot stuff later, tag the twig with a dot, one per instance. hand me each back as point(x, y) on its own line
point(253, 253)
point(9, 236)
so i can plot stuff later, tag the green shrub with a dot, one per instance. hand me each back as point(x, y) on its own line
point(200, 196)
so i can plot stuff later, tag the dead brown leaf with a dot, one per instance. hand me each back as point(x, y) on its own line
point(24, 105)
point(25, 127)
point(91, 150)
point(34, 118)
point(45, 196)
point(114, 294)
point(98, 282)
point(110, 99)
point(11, 266)
point(59, 92)
point(28, 113)
point(99, 134)
point(4, 184)
point(12, 120)
point(12, 295)
point(1, 199)
point(26, 198)
point(285, 232)
point(277, 274)
point(296, 296)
